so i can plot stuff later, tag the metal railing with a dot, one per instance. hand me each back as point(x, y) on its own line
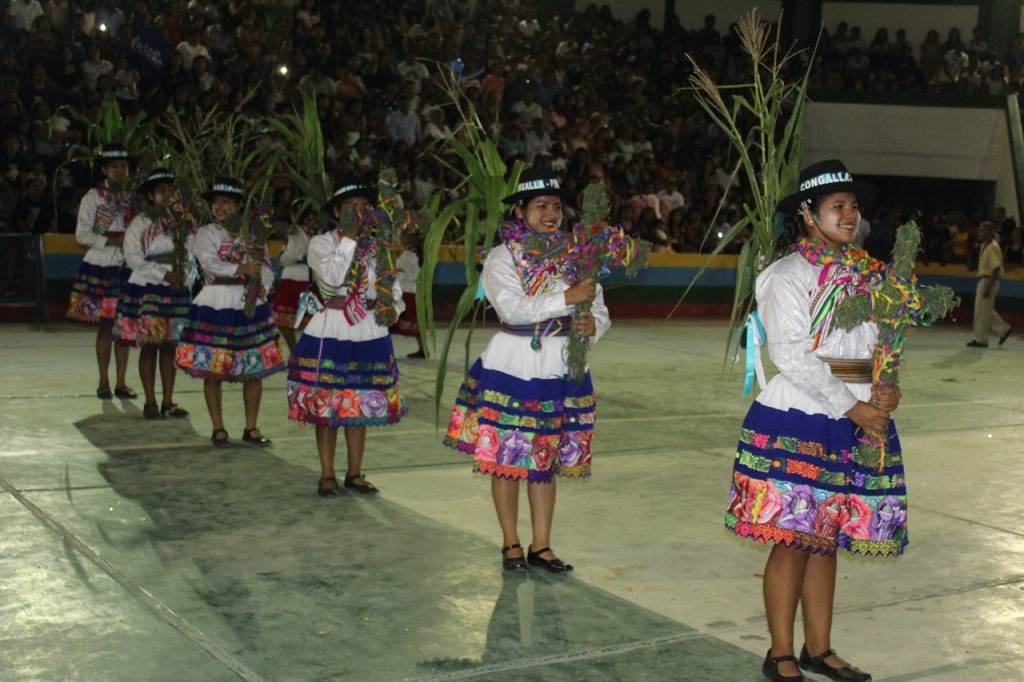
point(21, 272)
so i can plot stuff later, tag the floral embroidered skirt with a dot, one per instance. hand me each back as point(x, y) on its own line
point(151, 314)
point(338, 383)
point(95, 293)
point(225, 345)
point(286, 301)
point(526, 429)
point(796, 482)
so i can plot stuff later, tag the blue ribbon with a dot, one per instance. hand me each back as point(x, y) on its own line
point(755, 339)
point(308, 305)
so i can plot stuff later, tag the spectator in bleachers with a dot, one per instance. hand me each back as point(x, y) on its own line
point(21, 14)
point(537, 140)
point(955, 65)
point(33, 214)
point(931, 57)
point(979, 43)
point(192, 47)
point(405, 124)
point(110, 18)
point(316, 82)
point(94, 67)
point(39, 89)
point(126, 85)
point(13, 163)
point(413, 72)
point(880, 51)
point(527, 109)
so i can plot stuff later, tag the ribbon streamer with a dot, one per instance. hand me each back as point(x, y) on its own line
point(755, 341)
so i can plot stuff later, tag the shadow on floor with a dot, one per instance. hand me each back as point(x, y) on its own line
point(296, 587)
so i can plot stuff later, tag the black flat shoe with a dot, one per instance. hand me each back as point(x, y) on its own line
point(513, 563)
point(151, 411)
point(220, 438)
point(328, 487)
point(770, 668)
point(174, 410)
point(1002, 339)
point(125, 393)
point(817, 664)
point(254, 437)
point(549, 565)
point(975, 344)
point(364, 488)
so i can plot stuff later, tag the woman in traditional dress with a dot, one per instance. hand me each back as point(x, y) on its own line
point(797, 478)
point(102, 217)
point(294, 273)
point(518, 413)
point(154, 306)
point(343, 373)
point(222, 341)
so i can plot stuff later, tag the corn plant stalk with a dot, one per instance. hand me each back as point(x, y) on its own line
point(301, 147)
point(135, 133)
point(768, 160)
point(221, 143)
point(479, 212)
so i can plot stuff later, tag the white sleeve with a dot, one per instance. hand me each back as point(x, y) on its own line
point(267, 272)
point(601, 317)
point(505, 292)
point(208, 240)
point(330, 258)
point(134, 258)
point(396, 292)
point(86, 219)
point(784, 308)
point(294, 249)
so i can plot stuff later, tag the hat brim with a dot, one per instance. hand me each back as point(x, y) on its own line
point(525, 196)
point(366, 193)
point(866, 193)
point(103, 162)
point(209, 196)
point(145, 187)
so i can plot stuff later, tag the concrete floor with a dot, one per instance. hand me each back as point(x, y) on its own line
point(133, 550)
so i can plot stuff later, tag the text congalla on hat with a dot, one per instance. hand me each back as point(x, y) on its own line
point(825, 179)
point(543, 183)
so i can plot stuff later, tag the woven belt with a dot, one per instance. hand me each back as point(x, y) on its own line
point(165, 258)
point(555, 326)
point(850, 371)
point(335, 302)
point(228, 280)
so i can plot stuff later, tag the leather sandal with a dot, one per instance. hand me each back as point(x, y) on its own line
point(173, 410)
point(513, 563)
point(254, 437)
point(365, 488)
point(125, 393)
point(151, 411)
point(770, 668)
point(549, 565)
point(103, 393)
point(817, 664)
point(220, 438)
point(328, 487)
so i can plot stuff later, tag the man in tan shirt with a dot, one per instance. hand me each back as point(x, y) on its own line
point(990, 268)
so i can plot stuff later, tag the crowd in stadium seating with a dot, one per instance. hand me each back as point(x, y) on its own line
point(591, 96)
